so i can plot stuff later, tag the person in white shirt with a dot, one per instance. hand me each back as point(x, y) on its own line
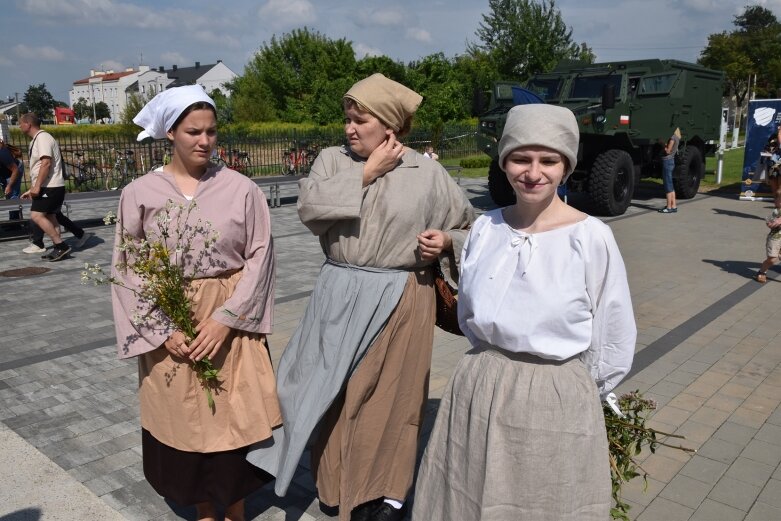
point(544, 301)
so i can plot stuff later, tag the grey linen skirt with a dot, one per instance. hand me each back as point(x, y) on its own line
point(517, 437)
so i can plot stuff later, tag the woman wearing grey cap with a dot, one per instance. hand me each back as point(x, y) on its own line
point(544, 301)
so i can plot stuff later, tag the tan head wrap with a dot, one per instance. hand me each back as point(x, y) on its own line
point(542, 125)
point(389, 101)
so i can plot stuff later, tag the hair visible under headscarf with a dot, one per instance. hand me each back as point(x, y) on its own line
point(159, 115)
point(387, 100)
point(539, 124)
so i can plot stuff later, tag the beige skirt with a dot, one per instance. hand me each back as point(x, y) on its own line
point(369, 437)
point(516, 437)
point(174, 407)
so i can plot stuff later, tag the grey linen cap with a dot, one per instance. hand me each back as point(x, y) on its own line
point(543, 125)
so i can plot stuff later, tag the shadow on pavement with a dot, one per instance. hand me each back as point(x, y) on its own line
point(25, 514)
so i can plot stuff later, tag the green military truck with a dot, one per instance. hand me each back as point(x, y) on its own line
point(626, 112)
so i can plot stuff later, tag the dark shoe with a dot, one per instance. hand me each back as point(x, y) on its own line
point(366, 511)
point(59, 252)
point(386, 512)
point(668, 210)
point(328, 510)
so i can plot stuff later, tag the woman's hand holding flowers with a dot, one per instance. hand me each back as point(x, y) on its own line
point(210, 337)
point(177, 344)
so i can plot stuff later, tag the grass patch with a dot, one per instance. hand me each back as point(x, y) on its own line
point(466, 172)
point(731, 174)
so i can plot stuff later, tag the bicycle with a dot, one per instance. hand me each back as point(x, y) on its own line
point(162, 157)
point(298, 159)
point(123, 171)
point(237, 160)
point(86, 175)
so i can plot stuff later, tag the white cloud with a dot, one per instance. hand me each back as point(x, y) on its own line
point(362, 50)
point(419, 34)
point(45, 53)
point(5, 62)
point(386, 17)
point(287, 13)
point(172, 57)
point(212, 38)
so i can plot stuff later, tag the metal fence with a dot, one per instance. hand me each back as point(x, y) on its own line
point(100, 162)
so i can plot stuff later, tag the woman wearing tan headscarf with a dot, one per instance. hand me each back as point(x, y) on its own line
point(356, 369)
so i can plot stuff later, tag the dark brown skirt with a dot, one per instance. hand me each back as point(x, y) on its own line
point(188, 478)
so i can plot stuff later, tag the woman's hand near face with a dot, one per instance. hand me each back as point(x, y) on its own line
point(211, 336)
point(431, 243)
point(177, 344)
point(383, 159)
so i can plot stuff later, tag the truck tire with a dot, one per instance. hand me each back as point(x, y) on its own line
point(498, 185)
point(612, 182)
point(688, 174)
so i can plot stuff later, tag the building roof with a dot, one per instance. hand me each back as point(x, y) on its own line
point(186, 75)
point(113, 76)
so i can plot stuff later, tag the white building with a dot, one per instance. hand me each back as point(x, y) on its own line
point(116, 88)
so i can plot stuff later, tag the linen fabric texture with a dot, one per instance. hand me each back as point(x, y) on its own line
point(584, 309)
point(237, 209)
point(389, 101)
point(348, 308)
point(161, 112)
point(543, 125)
point(516, 437)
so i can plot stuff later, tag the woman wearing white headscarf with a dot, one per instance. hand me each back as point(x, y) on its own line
point(195, 454)
point(544, 301)
point(356, 369)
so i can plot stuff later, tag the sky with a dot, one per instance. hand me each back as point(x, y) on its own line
point(57, 42)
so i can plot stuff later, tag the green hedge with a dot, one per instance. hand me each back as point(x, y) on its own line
point(476, 162)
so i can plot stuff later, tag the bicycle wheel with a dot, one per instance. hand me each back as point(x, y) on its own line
point(93, 179)
point(114, 179)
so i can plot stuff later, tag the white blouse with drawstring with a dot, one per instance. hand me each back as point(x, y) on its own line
point(553, 294)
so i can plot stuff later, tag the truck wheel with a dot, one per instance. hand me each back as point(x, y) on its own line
point(688, 173)
point(498, 185)
point(612, 182)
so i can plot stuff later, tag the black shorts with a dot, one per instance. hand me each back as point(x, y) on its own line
point(49, 201)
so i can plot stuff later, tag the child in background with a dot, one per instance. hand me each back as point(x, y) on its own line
point(772, 245)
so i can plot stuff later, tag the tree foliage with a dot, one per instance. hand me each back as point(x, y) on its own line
point(102, 111)
point(301, 76)
point(135, 103)
point(525, 37)
point(40, 101)
point(752, 48)
point(82, 109)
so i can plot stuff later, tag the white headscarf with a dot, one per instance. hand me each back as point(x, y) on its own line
point(159, 115)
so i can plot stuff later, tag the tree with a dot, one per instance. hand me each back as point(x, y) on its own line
point(302, 75)
point(223, 105)
point(524, 37)
point(102, 111)
point(82, 109)
point(40, 101)
point(753, 48)
point(445, 97)
point(135, 103)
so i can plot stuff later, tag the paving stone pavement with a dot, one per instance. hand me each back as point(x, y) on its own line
point(708, 353)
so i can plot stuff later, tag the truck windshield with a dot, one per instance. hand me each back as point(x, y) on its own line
point(590, 87)
point(546, 88)
point(504, 92)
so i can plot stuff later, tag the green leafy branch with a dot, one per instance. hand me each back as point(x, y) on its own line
point(627, 436)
